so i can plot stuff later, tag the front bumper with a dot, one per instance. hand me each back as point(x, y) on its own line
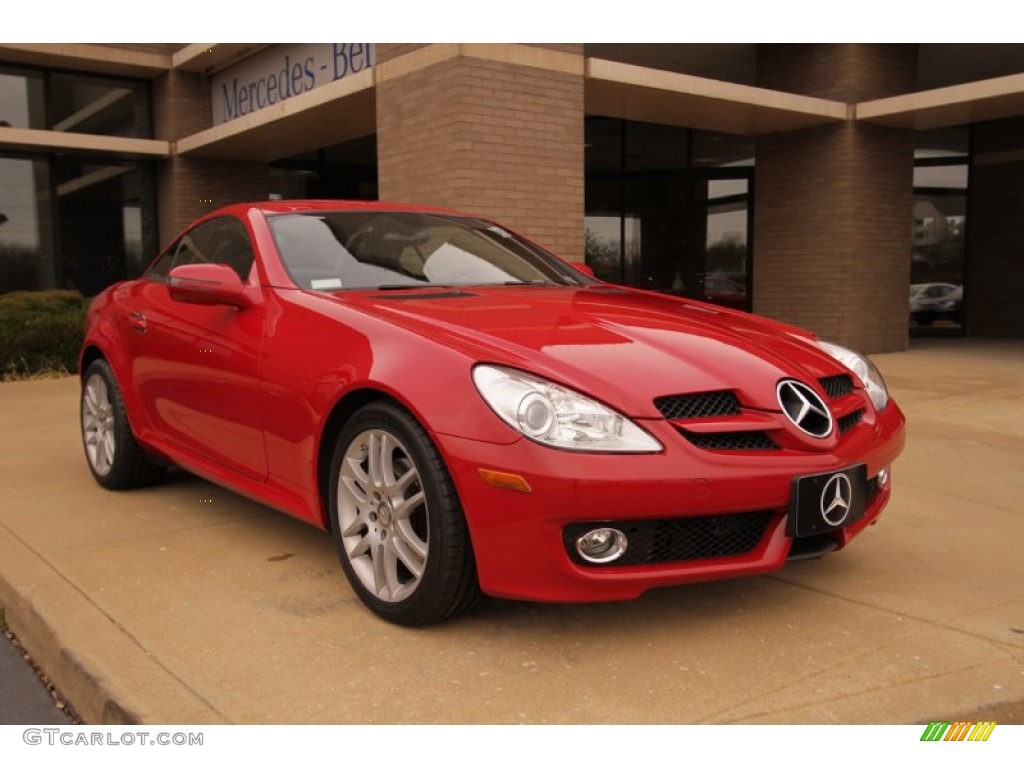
point(519, 538)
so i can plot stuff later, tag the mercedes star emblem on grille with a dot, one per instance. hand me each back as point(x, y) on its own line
point(836, 499)
point(805, 408)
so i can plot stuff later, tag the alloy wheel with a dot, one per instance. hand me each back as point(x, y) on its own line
point(382, 511)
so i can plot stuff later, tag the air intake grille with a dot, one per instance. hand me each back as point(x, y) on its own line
point(698, 406)
point(872, 490)
point(837, 386)
point(850, 420)
point(678, 539)
point(732, 441)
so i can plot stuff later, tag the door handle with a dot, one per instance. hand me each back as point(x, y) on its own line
point(137, 320)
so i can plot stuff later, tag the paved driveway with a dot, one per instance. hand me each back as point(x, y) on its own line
point(186, 603)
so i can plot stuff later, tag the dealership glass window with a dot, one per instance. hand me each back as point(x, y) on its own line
point(106, 221)
point(76, 223)
point(21, 99)
point(937, 260)
point(26, 225)
point(345, 171)
point(86, 104)
point(668, 209)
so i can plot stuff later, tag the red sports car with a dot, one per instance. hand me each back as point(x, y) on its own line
point(468, 413)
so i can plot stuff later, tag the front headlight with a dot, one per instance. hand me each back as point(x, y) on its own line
point(863, 369)
point(557, 416)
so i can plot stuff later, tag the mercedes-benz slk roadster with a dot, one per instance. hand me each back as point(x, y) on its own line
point(467, 413)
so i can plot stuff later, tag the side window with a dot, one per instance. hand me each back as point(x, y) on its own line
point(158, 269)
point(218, 241)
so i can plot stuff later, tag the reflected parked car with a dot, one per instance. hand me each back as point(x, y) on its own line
point(467, 413)
point(935, 301)
point(725, 292)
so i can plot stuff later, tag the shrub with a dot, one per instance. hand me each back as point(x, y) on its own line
point(40, 332)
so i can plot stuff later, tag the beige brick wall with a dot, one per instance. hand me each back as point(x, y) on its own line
point(188, 187)
point(181, 105)
point(995, 231)
point(840, 71)
point(501, 140)
point(832, 232)
point(834, 204)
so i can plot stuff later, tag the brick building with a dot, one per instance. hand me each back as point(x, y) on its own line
point(820, 184)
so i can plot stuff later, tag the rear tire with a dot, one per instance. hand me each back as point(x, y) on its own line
point(114, 457)
point(398, 527)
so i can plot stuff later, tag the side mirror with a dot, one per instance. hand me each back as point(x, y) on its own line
point(586, 269)
point(209, 284)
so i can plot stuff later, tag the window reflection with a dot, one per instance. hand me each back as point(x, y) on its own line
point(81, 104)
point(668, 209)
point(107, 221)
point(939, 229)
point(26, 242)
point(21, 99)
point(66, 221)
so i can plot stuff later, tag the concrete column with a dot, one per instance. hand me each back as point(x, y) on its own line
point(833, 205)
point(188, 187)
point(489, 129)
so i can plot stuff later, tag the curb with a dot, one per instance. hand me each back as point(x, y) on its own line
point(70, 637)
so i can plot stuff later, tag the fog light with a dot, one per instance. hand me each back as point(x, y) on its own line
point(601, 545)
point(883, 478)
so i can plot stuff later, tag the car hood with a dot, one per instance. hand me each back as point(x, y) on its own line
point(620, 345)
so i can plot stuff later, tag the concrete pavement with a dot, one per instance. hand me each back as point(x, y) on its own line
point(187, 604)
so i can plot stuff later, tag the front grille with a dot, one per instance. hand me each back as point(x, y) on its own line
point(849, 421)
point(837, 386)
point(731, 441)
point(678, 539)
point(698, 406)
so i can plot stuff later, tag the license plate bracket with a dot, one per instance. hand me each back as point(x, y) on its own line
point(827, 501)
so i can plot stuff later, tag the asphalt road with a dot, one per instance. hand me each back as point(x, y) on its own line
point(24, 699)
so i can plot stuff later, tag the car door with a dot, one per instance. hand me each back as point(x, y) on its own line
point(196, 368)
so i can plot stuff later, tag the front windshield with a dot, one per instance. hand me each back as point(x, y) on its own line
point(344, 250)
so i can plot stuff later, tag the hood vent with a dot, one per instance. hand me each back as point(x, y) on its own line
point(701, 406)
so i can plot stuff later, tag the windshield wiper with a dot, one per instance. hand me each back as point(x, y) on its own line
point(406, 286)
point(529, 282)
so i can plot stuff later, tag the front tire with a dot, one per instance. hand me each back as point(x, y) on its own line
point(398, 527)
point(114, 457)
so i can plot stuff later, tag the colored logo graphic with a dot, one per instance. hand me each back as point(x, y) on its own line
point(959, 731)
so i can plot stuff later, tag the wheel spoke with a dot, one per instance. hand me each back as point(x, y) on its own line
point(354, 465)
point(387, 462)
point(362, 546)
point(405, 508)
point(91, 406)
point(355, 489)
point(108, 447)
point(373, 458)
point(401, 484)
point(381, 580)
point(102, 397)
point(411, 549)
point(356, 527)
point(100, 458)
